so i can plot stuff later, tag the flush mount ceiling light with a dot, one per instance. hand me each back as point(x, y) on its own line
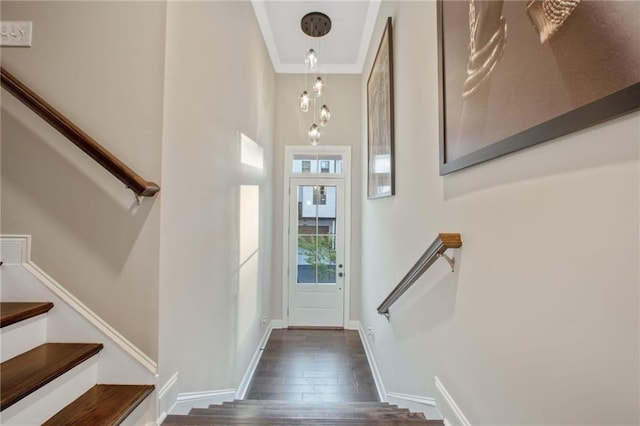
point(315, 25)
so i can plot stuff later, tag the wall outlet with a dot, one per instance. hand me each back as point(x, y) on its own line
point(369, 331)
point(263, 320)
point(15, 33)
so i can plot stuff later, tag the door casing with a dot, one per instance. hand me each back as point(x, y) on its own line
point(289, 152)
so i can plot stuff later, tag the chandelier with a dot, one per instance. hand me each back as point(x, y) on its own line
point(315, 25)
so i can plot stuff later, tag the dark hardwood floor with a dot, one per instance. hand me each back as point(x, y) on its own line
point(313, 366)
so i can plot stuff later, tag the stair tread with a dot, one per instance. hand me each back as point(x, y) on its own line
point(306, 413)
point(315, 407)
point(102, 405)
point(13, 312)
point(212, 420)
point(33, 369)
point(260, 402)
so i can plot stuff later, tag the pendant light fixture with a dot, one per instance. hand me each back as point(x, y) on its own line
point(315, 25)
point(304, 101)
point(325, 115)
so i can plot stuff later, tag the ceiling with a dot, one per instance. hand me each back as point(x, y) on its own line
point(342, 51)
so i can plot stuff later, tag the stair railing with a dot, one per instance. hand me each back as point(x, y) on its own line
point(133, 181)
point(434, 252)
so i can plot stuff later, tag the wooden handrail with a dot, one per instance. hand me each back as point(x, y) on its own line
point(82, 140)
point(435, 250)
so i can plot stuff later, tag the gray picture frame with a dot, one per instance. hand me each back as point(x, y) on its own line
point(593, 55)
point(380, 120)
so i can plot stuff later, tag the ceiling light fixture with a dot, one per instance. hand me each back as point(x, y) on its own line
point(315, 25)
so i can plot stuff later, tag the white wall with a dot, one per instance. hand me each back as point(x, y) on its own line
point(216, 212)
point(86, 234)
point(539, 323)
point(343, 98)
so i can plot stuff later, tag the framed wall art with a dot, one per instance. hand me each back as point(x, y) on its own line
point(380, 131)
point(516, 73)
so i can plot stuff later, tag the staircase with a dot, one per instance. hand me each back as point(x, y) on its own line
point(254, 412)
point(38, 379)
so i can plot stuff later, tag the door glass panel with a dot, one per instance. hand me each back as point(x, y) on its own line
point(306, 265)
point(326, 255)
point(316, 234)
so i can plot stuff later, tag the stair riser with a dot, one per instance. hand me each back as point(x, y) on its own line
point(46, 401)
point(23, 336)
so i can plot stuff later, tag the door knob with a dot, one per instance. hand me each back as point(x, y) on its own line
point(340, 265)
point(340, 274)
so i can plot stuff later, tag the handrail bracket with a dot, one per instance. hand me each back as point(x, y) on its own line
point(451, 260)
point(137, 197)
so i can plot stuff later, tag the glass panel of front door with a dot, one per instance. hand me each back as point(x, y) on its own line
point(317, 228)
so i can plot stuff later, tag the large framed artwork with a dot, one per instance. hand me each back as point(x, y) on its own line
point(380, 132)
point(516, 73)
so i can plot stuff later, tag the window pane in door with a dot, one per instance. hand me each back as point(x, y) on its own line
point(306, 265)
point(326, 259)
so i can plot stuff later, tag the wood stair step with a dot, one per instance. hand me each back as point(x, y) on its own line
point(102, 405)
point(13, 312)
point(313, 406)
point(212, 420)
point(306, 414)
point(31, 370)
point(262, 402)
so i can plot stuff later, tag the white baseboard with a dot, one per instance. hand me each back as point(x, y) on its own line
point(255, 359)
point(453, 415)
point(167, 397)
point(415, 403)
point(186, 401)
point(277, 324)
point(189, 400)
point(353, 325)
point(377, 377)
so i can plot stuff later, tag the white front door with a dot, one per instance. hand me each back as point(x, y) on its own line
point(316, 252)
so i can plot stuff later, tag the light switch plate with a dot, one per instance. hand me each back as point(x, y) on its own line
point(15, 33)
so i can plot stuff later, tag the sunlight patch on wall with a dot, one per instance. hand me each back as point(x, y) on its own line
point(248, 279)
point(251, 153)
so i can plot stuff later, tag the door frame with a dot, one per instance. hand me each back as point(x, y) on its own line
point(289, 152)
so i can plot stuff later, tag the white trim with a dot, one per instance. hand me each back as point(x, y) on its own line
point(289, 152)
point(353, 325)
point(167, 395)
point(92, 317)
point(367, 32)
point(262, 17)
point(431, 402)
point(78, 306)
point(377, 377)
point(248, 375)
point(15, 249)
point(356, 67)
point(450, 406)
point(188, 400)
point(276, 324)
